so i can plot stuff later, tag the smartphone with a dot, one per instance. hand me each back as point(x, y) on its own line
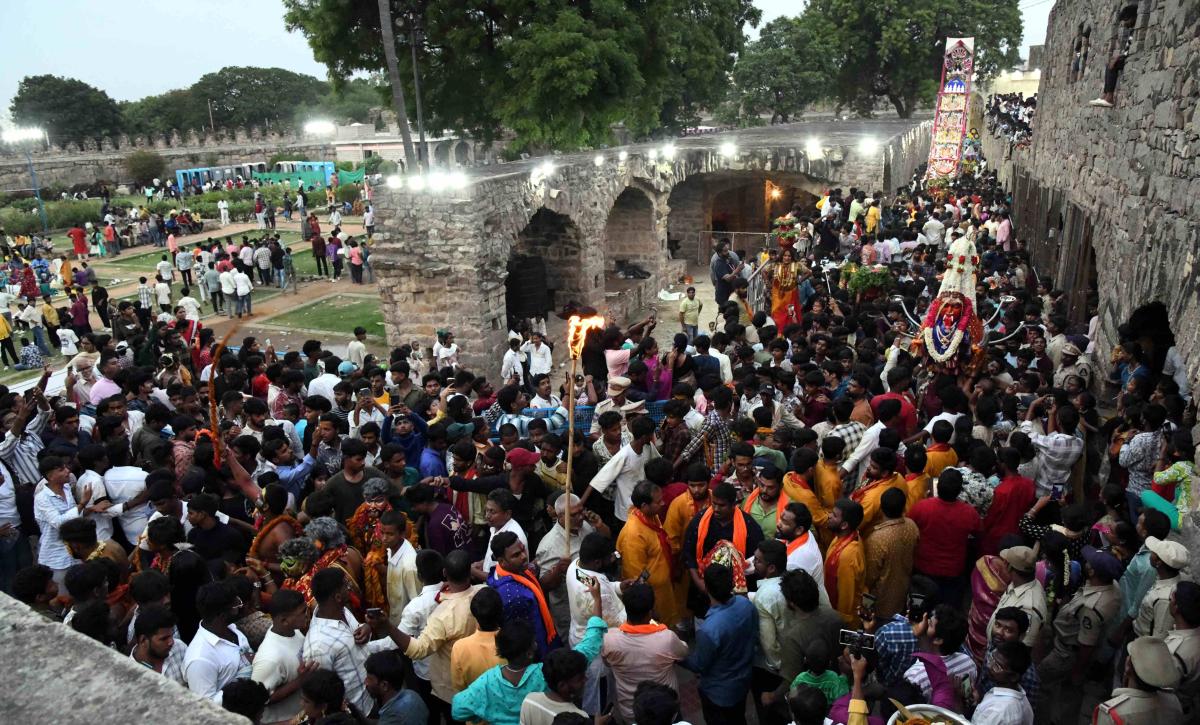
point(584, 579)
point(1056, 493)
point(644, 576)
point(856, 641)
point(267, 342)
point(374, 612)
point(868, 602)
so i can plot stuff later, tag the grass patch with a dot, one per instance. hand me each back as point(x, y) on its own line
point(339, 313)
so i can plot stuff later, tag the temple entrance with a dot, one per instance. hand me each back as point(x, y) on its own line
point(630, 238)
point(1149, 327)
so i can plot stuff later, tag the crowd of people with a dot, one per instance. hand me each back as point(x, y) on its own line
point(1011, 116)
point(793, 506)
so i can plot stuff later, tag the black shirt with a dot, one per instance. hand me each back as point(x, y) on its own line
point(212, 544)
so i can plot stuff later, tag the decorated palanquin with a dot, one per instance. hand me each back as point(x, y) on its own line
point(950, 115)
point(951, 335)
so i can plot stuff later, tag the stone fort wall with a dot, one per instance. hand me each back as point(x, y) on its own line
point(103, 160)
point(1114, 194)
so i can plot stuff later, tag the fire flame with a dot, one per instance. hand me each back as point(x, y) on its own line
point(577, 328)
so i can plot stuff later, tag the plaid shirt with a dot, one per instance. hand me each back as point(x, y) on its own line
point(714, 432)
point(895, 643)
point(851, 432)
point(145, 296)
point(1139, 457)
point(1059, 452)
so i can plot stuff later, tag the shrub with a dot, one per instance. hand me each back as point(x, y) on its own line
point(144, 166)
point(348, 192)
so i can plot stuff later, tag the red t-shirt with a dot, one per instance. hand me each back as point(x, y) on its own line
point(908, 413)
point(1010, 500)
point(945, 527)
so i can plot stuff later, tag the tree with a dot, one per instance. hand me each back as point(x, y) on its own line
point(145, 166)
point(894, 49)
point(243, 97)
point(161, 114)
point(786, 69)
point(69, 110)
point(558, 73)
point(387, 30)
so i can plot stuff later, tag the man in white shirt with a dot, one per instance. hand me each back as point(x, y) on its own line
point(1006, 703)
point(514, 359)
point(934, 230)
point(242, 287)
point(596, 555)
point(126, 486)
point(544, 396)
point(324, 383)
point(223, 208)
point(162, 295)
point(499, 511)
point(228, 290)
point(415, 615)
point(219, 653)
point(626, 469)
point(541, 358)
point(277, 663)
point(331, 640)
point(165, 270)
point(356, 351)
point(403, 584)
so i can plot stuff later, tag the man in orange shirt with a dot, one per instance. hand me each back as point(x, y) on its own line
point(475, 654)
point(680, 513)
point(646, 550)
point(880, 476)
point(845, 562)
point(798, 487)
point(829, 471)
point(917, 481)
point(939, 455)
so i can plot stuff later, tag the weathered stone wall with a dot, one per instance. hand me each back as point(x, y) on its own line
point(903, 153)
point(53, 674)
point(73, 164)
point(442, 256)
point(1122, 181)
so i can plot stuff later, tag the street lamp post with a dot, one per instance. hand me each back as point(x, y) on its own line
point(20, 137)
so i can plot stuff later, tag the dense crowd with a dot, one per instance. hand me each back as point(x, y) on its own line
point(795, 505)
point(1011, 116)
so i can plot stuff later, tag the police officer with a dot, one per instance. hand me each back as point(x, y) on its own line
point(1154, 614)
point(1184, 643)
point(1024, 592)
point(1148, 671)
point(1080, 627)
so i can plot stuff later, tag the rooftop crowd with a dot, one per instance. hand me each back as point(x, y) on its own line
point(789, 509)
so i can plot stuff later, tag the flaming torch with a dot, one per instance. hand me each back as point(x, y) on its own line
point(577, 329)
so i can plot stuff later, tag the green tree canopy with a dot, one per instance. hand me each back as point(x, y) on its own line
point(557, 73)
point(787, 69)
point(143, 166)
point(263, 97)
point(893, 49)
point(69, 110)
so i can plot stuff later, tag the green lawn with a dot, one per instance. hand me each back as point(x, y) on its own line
point(340, 313)
point(141, 262)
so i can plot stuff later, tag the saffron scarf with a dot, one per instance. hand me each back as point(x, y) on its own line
point(938, 448)
point(861, 493)
point(739, 534)
point(534, 586)
point(833, 558)
point(648, 628)
point(664, 540)
point(796, 543)
point(780, 504)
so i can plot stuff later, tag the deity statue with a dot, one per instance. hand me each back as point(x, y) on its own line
point(951, 336)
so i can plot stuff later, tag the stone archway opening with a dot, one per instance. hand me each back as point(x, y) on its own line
point(1149, 327)
point(545, 267)
point(441, 154)
point(630, 238)
point(462, 153)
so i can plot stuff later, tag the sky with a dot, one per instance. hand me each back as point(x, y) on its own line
point(136, 48)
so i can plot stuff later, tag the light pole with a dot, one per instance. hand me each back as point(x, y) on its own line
point(20, 137)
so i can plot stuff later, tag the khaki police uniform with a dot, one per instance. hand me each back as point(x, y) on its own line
point(1085, 621)
point(1185, 649)
point(1031, 598)
point(1154, 615)
point(1129, 706)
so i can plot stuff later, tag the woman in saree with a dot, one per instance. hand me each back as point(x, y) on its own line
point(989, 579)
point(785, 292)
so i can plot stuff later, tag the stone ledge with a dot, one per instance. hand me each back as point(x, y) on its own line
point(53, 674)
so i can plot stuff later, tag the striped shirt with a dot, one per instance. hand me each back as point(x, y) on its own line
point(145, 296)
point(20, 452)
point(1058, 453)
point(959, 666)
point(714, 432)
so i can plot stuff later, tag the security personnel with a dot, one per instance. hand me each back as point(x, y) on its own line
point(1024, 592)
point(1148, 671)
point(1154, 614)
point(1081, 625)
point(1184, 643)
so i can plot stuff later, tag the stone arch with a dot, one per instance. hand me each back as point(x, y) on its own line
point(441, 154)
point(630, 232)
point(462, 153)
point(547, 256)
point(1150, 327)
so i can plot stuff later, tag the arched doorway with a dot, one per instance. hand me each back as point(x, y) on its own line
point(544, 267)
point(1149, 327)
point(462, 153)
point(441, 154)
point(630, 235)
